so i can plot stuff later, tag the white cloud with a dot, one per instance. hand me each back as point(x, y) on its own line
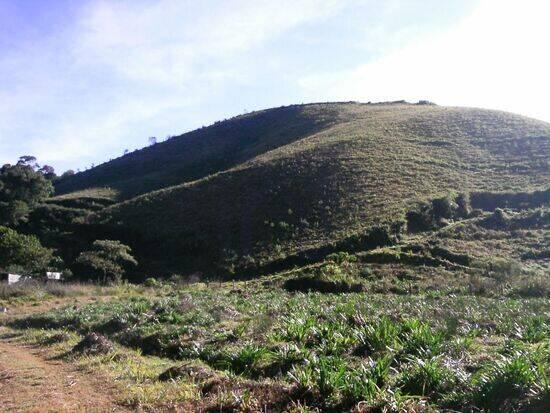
point(495, 58)
point(163, 42)
point(105, 81)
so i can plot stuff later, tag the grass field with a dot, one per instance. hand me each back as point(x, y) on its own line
point(252, 346)
point(455, 318)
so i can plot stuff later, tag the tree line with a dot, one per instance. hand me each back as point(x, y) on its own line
point(24, 186)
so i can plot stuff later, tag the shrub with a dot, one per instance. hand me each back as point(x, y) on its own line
point(23, 251)
point(464, 207)
point(443, 207)
point(498, 220)
point(419, 339)
point(341, 257)
point(489, 201)
point(151, 282)
point(197, 373)
point(510, 379)
point(246, 360)
point(93, 343)
point(328, 279)
point(380, 236)
point(532, 286)
point(377, 337)
point(420, 220)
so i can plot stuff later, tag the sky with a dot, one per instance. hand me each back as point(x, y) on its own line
point(82, 81)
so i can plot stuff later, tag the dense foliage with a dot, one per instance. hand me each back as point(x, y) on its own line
point(24, 253)
point(21, 188)
point(106, 261)
point(259, 348)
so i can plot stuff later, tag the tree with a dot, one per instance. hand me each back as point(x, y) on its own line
point(27, 160)
point(21, 188)
point(67, 173)
point(48, 172)
point(152, 140)
point(107, 260)
point(24, 252)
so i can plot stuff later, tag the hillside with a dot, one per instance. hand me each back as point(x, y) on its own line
point(204, 151)
point(304, 177)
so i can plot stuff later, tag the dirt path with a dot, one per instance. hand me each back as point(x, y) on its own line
point(31, 383)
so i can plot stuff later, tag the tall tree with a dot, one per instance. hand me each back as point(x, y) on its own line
point(27, 160)
point(107, 260)
point(21, 188)
point(48, 172)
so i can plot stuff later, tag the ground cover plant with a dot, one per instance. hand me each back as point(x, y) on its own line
point(236, 348)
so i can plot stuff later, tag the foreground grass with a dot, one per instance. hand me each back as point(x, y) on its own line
point(248, 347)
point(36, 292)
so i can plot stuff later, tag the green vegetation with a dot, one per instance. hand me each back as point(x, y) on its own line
point(323, 186)
point(24, 252)
point(319, 350)
point(21, 188)
point(284, 187)
point(107, 261)
point(326, 257)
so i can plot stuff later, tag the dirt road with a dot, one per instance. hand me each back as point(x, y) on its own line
point(29, 382)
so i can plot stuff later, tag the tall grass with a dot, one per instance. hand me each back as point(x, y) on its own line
point(37, 290)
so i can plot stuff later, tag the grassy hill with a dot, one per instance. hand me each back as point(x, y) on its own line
point(404, 254)
point(276, 183)
point(204, 151)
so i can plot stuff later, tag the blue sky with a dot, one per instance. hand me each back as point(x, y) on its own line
point(81, 81)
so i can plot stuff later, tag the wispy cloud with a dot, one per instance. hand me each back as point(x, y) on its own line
point(121, 71)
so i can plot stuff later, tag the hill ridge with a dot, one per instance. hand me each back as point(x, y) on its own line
point(366, 165)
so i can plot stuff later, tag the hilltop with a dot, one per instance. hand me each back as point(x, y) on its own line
point(277, 183)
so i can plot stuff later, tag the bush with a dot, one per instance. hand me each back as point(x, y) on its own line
point(24, 252)
point(92, 344)
point(444, 208)
point(433, 214)
point(498, 220)
point(377, 337)
point(420, 220)
point(464, 207)
point(329, 278)
point(341, 257)
point(532, 286)
point(489, 201)
point(151, 282)
point(509, 380)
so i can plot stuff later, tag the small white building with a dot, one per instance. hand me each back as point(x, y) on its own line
point(53, 276)
point(10, 278)
point(14, 278)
